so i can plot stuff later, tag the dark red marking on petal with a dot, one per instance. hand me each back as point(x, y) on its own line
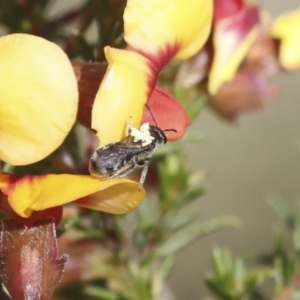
point(156, 63)
point(168, 113)
point(158, 60)
point(54, 213)
point(9, 185)
point(12, 180)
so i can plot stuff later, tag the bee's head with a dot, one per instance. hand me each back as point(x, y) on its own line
point(156, 132)
point(159, 134)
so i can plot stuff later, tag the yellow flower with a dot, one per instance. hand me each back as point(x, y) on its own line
point(286, 29)
point(30, 193)
point(155, 31)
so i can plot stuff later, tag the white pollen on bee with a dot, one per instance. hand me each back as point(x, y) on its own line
point(145, 128)
point(143, 134)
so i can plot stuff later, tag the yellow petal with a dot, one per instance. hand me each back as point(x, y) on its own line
point(175, 27)
point(122, 94)
point(286, 28)
point(38, 98)
point(117, 199)
point(38, 192)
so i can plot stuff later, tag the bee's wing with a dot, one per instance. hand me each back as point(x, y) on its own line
point(117, 154)
point(128, 140)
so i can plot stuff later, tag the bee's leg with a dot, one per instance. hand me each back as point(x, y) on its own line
point(129, 126)
point(143, 162)
point(125, 170)
point(143, 175)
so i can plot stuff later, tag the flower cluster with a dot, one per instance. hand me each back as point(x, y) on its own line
point(244, 49)
point(39, 103)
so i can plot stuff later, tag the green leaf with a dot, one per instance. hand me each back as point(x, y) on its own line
point(196, 105)
point(256, 277)
point(174, 222)
point(101, 293)
point(160, 276)
point(193, 232)
point(144, 213)
point(230, 279)
point(191, 195)
point(166, 267)
point(296, 237)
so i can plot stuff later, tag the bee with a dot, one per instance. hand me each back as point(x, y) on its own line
point(116, 160)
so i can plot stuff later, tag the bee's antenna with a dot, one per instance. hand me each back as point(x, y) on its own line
point(174, 130)
point(151, 114)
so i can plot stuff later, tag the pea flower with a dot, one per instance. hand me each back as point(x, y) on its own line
point(236, 26)
point(236, 60)
point(155, 32)
point(38, 107)
point(285, 30)
point(167, 111)
point(248, 91)
point(128, 83)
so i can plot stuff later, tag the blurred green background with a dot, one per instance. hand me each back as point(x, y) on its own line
point(245, 164)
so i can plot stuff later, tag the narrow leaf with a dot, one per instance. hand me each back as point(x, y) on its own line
point(193, 232)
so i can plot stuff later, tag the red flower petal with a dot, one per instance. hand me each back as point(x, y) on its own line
point(224, 9)
point(89, 77)
point(238, 32)
point(168, 114)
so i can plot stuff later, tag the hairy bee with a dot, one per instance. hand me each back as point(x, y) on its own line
point(118, 159)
